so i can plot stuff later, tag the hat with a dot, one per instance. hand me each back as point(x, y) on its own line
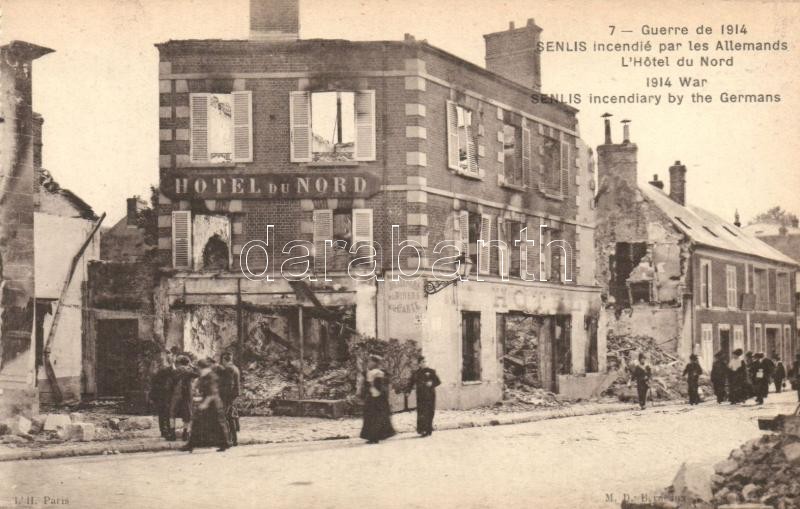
point(693, 357)
point(739, 351)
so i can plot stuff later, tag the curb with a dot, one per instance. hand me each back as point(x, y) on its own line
point(158, 445)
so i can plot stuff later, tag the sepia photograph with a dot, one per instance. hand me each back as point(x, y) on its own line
point(400, 254)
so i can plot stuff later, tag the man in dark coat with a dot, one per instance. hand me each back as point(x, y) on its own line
point(229, 388)
point(692, 372)
point(424, 381)
point(779, 374)
point(769, 370)
point(161, 386)
point(719, 376)
point(758, 373)
point(208, 423)
point(181, 403)
point(641, 373)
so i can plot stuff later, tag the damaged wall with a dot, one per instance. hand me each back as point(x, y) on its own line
point(210, 254)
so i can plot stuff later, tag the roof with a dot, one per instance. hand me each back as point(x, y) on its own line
point(25, 50)
point(707, 229)
point(48, 184)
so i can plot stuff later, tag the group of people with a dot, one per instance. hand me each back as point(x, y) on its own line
point(744, 376)
point(202, 394)
point(737, 379)
point(377, 424)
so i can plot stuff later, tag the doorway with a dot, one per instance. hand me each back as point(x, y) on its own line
point(772, 346)
point(116, 358)
point(725, 341)
point(536, 349)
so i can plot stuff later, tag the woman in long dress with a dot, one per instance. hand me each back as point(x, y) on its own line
point(377, 421)
point(209, 426)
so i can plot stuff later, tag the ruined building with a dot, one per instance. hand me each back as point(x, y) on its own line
point(680, 274)
point(277, 139)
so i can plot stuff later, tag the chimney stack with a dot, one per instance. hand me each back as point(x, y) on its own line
point(617, 161)
point(657, 183)
point(626, 131)
point(607, 123)
point(512, 54)
point(135, 205)
point(275, 20)
point(677, 183)
point(736, 222)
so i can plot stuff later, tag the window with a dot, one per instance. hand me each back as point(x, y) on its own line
point(784, 289)
point(181, 239)
point(512, 156)
point(787, 344)
point(332, 126)
point(462, 152)
point(345, 228)
point(470, 346)
point(705, 283)
point(730, 280)
point(738, 337)
point(472, 227)
point(513, 253)
point(221, 128)
point(761, 287)
point(706, 345)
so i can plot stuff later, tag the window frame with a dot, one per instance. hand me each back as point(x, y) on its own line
point(731, 287)
point(476, 350)
point(706, 295)
point(454, 137)
point(200, 135)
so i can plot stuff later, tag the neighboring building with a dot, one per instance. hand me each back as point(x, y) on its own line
point(63, 223)
point(17, 126)
point(340, 140)
point(680, 274)
point(786, 239)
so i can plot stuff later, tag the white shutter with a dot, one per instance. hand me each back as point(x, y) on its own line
point(526, 154)
point(198, 122)
point(242, 126)
point(323, 230)
point(365, 125)
point(362, 227)
point(300, 126)
point(503, 250)
point(486, 236)
point(452, 136)
point(182, 239)
point(462, 221)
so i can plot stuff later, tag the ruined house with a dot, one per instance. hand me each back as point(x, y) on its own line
point(17, 298)
point(276, 139)
point(681, 275)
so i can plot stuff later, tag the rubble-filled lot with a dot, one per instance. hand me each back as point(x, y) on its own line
point(667, 383)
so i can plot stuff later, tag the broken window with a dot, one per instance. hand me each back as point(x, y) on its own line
point(461, 146)
point(512, 156)
point(555, 165)
point(626, 257)
point(221, 128)
point(332, 126)
point(216, 254)
point(470, 346)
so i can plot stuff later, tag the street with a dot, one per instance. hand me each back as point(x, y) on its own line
point(580, 462)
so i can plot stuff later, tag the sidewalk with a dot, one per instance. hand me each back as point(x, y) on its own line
point(268, 430)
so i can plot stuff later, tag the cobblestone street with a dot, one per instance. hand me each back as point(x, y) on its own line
point(552, 463)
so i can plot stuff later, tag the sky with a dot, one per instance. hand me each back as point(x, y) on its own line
point(98, 92)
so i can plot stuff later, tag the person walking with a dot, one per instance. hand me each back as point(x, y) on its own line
point(779, 375)
point(209, 427)
point(758, 372)
point(641, 374)
point(769, 370)
point(229, 388)
point(719, 376)
point(692, 372)
point(181, 402)
point(377, 415)
point(424, 381)
point(737, 378)
point(161, 386)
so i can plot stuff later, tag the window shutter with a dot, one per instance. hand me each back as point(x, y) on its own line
point(198, 122)
point(526, 153)
point(472, 148)
point(452, 136)
point(181, 239)
point(242, 126)
point(323, 230)
point(523, 248)
point(300, 126)
point(565, 157)
point(462, 225)
point(362, 227)
point(503, 253)
point(365, 125)
point(486, 236)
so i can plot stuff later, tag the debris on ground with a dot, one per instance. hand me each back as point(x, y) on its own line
point(667, 382)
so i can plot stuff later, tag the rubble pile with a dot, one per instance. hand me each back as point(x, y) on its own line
point(522, 385)
point(667, 380)
point(765, 470)
point(56, 428)
point(527, 397)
